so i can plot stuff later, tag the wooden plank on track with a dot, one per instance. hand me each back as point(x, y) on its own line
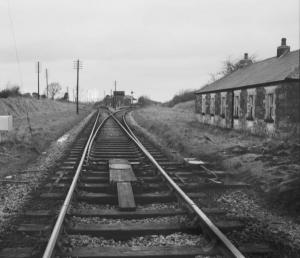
point(125, 197)
point(120, 171)
point(121, 175)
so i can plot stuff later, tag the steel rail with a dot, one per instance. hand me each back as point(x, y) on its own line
point(222, 242)
point(90, 145)
point(128, 128)
point(50, 249)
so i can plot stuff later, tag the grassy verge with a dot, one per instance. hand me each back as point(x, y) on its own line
point(27, 142)
point(271, 166)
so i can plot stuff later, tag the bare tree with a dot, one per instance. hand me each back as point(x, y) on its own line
point(213, 77)
point(53, 89)
point(229, 66)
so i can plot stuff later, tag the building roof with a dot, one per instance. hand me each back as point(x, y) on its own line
point(107, 97)
point(266, 71)
point(129, 97)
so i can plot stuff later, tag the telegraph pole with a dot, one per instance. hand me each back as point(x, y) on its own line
point(131, 97)
point(77, 65)
point(115, 97)
point(68, 94)
point(47, 81)
point(38, 67)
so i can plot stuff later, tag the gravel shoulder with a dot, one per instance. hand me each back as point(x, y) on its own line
point(28, 141)
point(14, 198)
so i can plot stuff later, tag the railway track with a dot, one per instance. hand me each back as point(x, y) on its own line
point(105, 197)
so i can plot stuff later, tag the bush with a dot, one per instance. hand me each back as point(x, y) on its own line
point(182, 96)
point(145, 101)
point(27, 95)
point(10, 91)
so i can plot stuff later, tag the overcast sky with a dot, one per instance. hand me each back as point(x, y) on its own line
point(151, 47)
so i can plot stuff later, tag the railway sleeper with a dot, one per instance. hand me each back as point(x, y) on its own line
point(102, 198)
point(127, 231)
point(142, 187)
point(116, 214)
point(105, 179)
point(187, 251)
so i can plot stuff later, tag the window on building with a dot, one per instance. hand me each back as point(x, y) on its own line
point(203, 105)
point(223, 101)
point(236, 106)
point(251, 106)
point(270, 106)
point(212, 105)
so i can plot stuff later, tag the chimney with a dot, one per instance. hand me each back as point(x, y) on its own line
point(283, 48)
point(245, 62)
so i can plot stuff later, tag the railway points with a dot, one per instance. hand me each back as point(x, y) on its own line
point(109, 166)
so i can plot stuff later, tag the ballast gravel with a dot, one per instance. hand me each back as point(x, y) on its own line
point(282, 233)
point(176, 239)
point(95, 220)
point(16, 198)
point(154, 206)
point(82, 206)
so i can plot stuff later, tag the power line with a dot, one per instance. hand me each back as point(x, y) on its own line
point(12, 27)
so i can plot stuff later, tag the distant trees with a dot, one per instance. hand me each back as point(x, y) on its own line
point(35, 95)
point(182, 96)
point(145, 100)
point(53, 89)
point(27, 95)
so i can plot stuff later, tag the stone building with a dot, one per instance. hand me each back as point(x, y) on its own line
point(261, 97)
point(120, 100)
point(108, 100)
point(127, 100)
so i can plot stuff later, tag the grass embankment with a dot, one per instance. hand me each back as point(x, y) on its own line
point(48, 121)
point(272, 166)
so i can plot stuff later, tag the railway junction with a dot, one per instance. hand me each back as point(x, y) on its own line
point(115, 187)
